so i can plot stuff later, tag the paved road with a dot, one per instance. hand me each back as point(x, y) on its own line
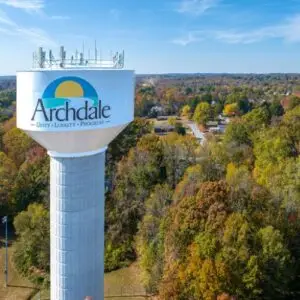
point(196, 131)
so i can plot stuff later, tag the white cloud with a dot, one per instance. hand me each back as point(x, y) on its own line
point(36, 6)
point(4, 19)
point(196, 7)
point(6, 31)
point(36, 36)
point(28, 5)
point(184, 41)
point(288, 31)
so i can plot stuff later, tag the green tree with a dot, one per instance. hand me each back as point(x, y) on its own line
point(276, 261)
point(186, 111)
point(32, 183)
point(237, 132)
point(32, 248)
point(202, 113)
point(292, 125)
point(136, 175)
point(121, 145)
point(149, 238)
point(180, 129)
point(16, 144)
point(179, 152)
point(271, 147)
point(293, 102)
point(188, 90)
point(276, 109)
point(172, 121)
point(8, 171)
point(256, 119)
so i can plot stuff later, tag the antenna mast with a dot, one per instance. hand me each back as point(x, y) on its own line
point(41, 61)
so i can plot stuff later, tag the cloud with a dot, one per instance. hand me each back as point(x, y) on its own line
point(27, 5)
point(196, 7)
point(4, 19)
point(184, 41)
point(6, 31)
point(36, 6)
point(288, 31)
point(36, 36)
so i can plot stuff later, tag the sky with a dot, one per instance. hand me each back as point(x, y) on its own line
point(158, 36)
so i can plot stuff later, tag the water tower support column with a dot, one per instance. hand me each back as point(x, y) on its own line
point(77, 226)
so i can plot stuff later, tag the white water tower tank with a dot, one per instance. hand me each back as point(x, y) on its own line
point(75, 113)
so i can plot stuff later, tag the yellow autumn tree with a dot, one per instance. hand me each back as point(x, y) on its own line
point(231, 109)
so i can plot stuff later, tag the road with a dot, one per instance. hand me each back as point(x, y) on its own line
point(196, 131)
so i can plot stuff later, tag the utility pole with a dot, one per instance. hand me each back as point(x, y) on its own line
point(4, 220)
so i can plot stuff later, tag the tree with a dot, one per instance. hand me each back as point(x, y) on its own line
point(179, 153)
point(136, 175)
point(293, 102)
point(276, 109)
point(276, 261)
point(149, 240)
point(256, 119)
point(188, 91)
point(271, 147)
point(155, 160)
point(32, 248)
point(202, 113)
point(121, 145)
point(32, 182)
point(8, 171)
point(231, 109)
point(291, 123)
point(16, 144)
point(172, 121)
point(244, 105)
point(237, 132)
point(218, 108)
point(186, 111)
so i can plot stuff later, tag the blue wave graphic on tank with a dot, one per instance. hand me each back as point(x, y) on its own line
point(74, 90)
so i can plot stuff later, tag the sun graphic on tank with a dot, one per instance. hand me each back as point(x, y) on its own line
point(74, 90)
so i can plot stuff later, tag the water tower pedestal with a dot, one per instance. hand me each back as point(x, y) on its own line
point(77, 226)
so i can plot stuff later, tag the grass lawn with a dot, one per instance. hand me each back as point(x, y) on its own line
point(18, 288)
point(122, 283)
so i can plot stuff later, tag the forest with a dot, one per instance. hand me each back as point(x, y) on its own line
point(218, 220)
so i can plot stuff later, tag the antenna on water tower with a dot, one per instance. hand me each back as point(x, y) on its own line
point(96, 51)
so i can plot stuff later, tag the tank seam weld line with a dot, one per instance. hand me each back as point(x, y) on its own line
point(80, 154)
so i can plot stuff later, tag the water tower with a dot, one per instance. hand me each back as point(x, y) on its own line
point(75, 108)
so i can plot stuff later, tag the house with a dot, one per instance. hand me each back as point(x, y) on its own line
point(212, 123)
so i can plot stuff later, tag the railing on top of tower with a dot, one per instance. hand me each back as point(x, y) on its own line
point(40, 60)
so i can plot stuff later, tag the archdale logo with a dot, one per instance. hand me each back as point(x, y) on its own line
point(70, 99)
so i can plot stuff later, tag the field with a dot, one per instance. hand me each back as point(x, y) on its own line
point(123, 283)
point(18, 288)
